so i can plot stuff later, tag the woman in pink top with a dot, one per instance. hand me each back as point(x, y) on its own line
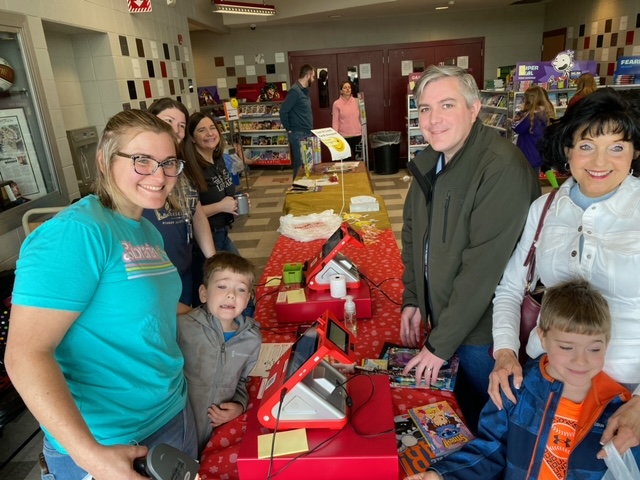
point(346, 117)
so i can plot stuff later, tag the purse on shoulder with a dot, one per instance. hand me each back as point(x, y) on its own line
point(530, 308)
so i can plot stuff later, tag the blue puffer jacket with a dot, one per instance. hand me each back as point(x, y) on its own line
point(511, 442)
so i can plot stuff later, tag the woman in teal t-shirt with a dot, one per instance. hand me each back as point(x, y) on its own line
point(92, 348)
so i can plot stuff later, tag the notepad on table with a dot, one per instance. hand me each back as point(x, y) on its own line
point(287, 443)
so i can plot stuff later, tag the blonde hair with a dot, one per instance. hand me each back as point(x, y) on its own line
point(119, 131)
point(586, 84)
point(575, 306)
point(537, 101)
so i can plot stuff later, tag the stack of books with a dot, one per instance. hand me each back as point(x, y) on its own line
point(427, 434)
point(626, 79)
point(394, 358)
point(494, 84)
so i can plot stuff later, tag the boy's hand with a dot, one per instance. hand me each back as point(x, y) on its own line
point(506, 365)
point(623, 427)
point(224, 413)
point(430, 475)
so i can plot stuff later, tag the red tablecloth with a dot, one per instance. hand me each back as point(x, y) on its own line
point(380, 261)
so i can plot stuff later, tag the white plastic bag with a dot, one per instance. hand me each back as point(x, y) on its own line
point(233, 163)
point(307, 228)
point(620, 467)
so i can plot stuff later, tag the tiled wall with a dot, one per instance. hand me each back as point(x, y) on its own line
point(605, 41)
point(87, 77)
point(511, 34)
point(230, 70)
point(600, 30)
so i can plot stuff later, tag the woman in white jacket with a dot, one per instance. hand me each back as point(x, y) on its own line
point(592, 230)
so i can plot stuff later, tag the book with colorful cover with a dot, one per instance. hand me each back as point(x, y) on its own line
point(398, 357)
point(441, 427)
point(563, 99)
point(374, 363)
point(414, 452)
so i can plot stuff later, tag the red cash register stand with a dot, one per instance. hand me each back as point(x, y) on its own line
point(349, 455)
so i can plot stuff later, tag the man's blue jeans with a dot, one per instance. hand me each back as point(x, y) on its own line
point(472, 383)
point(295, 138)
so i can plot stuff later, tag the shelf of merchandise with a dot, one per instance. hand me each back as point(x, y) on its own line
point(493, 111)
point(632, 86)
point(264, 140)
point(415, 139)
point(559, 98)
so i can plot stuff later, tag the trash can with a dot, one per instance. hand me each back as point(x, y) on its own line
point(386, 152)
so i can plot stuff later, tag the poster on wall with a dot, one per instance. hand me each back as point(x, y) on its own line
point(627, 71)
point(18, 161)
point(406, 66)
point(563, 70)
point(208, 96)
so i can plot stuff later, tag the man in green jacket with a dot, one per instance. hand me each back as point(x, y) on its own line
point(463, 215)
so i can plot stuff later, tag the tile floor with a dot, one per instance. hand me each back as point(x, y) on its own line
point(255, 236)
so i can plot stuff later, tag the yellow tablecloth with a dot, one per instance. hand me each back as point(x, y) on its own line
point(356, 183)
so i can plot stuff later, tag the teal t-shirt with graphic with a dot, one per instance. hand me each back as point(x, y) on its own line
point(120, 357)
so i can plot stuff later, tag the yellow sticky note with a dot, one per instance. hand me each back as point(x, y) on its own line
point(272, 282)
point(292, 441)
point(296, 296)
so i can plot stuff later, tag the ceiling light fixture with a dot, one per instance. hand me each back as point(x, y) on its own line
point(441, 8)
point(243, 8)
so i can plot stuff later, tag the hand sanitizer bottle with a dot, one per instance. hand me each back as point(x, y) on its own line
point(350, 314)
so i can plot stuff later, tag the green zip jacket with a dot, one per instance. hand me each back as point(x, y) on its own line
point(472, 216)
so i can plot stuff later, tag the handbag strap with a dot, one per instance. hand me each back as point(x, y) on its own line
point(530, 261)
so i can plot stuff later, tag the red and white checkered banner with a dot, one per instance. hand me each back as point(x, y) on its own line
point(138, 6)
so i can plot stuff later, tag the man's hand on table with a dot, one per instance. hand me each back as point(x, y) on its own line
point(427, 366)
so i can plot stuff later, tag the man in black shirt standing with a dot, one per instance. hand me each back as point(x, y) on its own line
point(296, 114)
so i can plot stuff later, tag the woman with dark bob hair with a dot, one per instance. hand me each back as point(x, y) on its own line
point(592, 230)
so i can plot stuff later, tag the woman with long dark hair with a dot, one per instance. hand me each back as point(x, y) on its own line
point(203, 151)
point(180, 227)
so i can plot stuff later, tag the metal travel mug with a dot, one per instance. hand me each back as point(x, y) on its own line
point(243, 203)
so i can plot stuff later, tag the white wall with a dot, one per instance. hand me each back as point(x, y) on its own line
point(561, 13)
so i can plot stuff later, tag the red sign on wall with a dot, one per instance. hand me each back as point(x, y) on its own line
point(138, 6)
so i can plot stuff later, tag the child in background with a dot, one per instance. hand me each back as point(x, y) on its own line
point(530, 125)
point(585, 85)
point(220, 345)
point(554, 430)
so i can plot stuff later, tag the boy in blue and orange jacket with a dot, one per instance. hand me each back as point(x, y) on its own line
point(554, 429)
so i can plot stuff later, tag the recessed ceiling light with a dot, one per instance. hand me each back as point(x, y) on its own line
point(441, 8)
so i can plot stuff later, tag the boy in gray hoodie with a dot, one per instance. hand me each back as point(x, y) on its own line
point(220, 345)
